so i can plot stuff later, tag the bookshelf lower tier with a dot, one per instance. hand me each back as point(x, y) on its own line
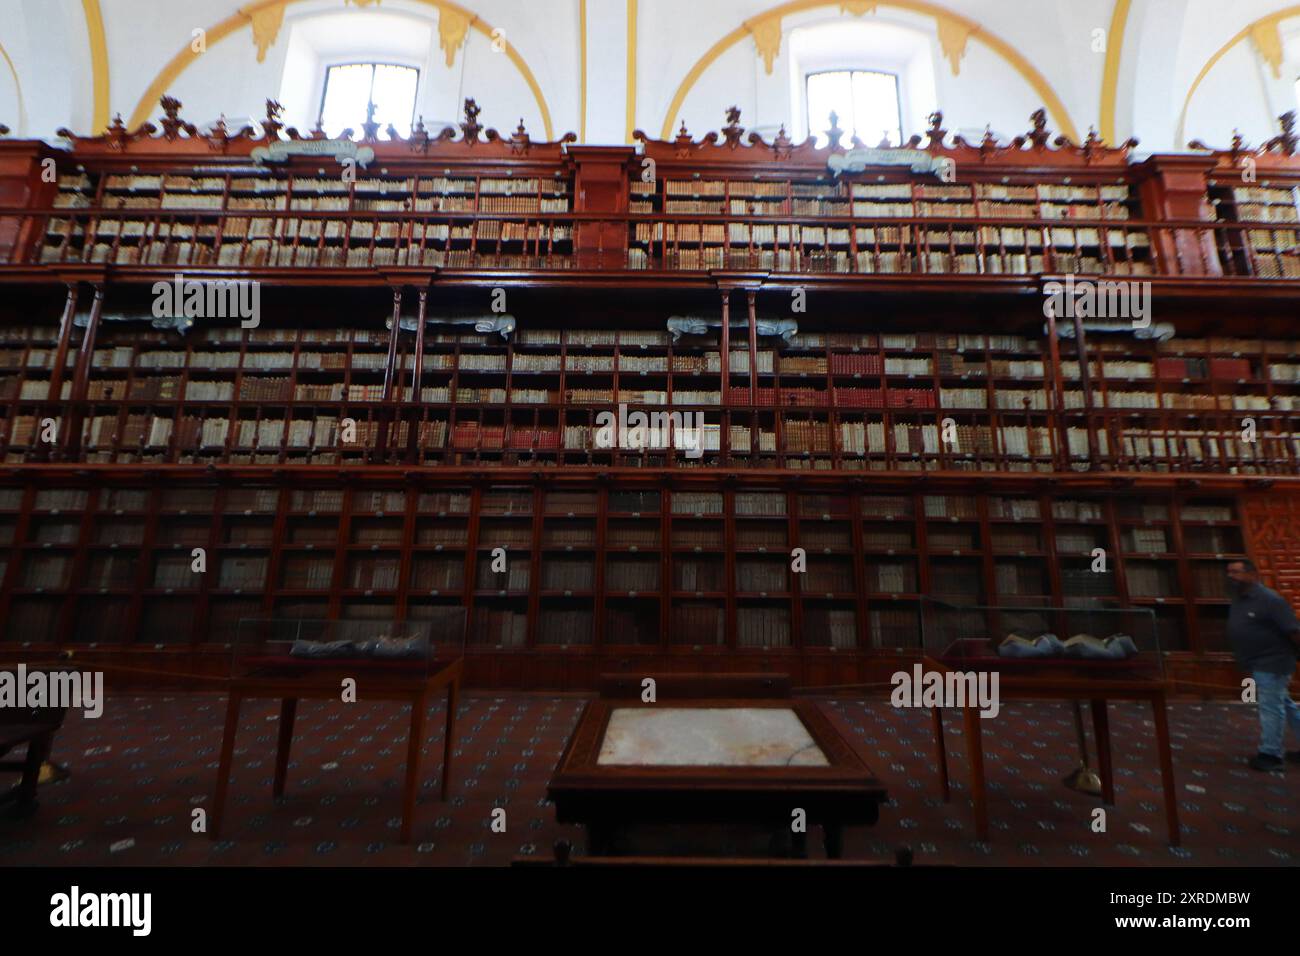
point(717, 569)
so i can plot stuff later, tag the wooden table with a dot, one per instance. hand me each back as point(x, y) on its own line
point(605, 783)
point(294, 679)
point(1094, 686)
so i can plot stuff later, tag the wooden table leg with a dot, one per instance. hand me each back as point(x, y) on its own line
point(1105, 766)
point(413, 765)
point(936, 715)
point(288, 710)
point(223, 768)
point(38, 750)
point(975, 754)
point(1167, 769)
point(449, 735)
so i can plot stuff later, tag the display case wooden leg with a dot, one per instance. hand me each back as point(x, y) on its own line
point(1167, 769)
point(1105, 765)
point(413, 765)
point(223, 767)
point(449, 736)
point(941, 752)
point(975, 754)
point(288, 710)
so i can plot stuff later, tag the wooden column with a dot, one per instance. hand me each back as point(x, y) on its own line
point(390, 376)
point(601, 185)
point(22, 184)
point(750, 296)
point(1174, 187)
point(1081, 350)
point(71, 438)
point(53, 395)
point(1058, 392)
point(417, 376)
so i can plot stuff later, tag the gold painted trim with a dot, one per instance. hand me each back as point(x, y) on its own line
point(1018, 62)
point(98, 64)
point(265, 23)
point(1277, 17)
point(185, 58)
point(1110, 73)
point(21, 126)
point(582, 71)
point(631, 70)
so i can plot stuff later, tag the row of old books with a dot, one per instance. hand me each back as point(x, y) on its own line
point(763, 626)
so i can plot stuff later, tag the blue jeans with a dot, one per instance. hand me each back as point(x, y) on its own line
point(1276, 711)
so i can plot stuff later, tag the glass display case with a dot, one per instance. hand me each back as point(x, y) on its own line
point(298, 647)
point(1084, 640)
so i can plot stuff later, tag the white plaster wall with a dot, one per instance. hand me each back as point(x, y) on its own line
point(1167, 43)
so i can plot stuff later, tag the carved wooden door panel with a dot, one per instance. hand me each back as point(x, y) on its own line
point(1271, 524)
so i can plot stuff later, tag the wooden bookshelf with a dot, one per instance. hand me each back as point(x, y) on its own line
point(384, 442)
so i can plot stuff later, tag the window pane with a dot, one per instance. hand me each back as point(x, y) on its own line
point(394, 97)
point(347, 94)
point(828, 92)
point(875, 103)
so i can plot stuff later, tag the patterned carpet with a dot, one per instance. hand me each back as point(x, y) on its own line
point(140, 770)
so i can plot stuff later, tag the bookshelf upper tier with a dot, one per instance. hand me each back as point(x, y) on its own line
point(284, 203)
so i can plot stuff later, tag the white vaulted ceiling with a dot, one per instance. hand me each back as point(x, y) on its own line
point(1165, 71)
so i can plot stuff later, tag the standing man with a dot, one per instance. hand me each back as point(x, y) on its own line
point(1264, 633)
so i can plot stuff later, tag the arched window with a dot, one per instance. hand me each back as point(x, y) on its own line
point(865, 102)
point(878, 78)
point(357, 92)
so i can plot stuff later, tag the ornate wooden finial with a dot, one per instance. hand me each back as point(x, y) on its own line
point(731, 133)
point(172, 124)
point(1287, 141)
point(835, 134)
point(419, 138)
point(370, 129)
point(783, 144)
point(219, 134)
point(471, 127)
point(989, 142)
point(520, 141)
point(1038, 135)
point(117, 133)
point(272, 124)
point(936, 133)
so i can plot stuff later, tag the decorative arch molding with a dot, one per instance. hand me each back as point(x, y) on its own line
point(244, 18)
point(18, 90)
point(954, 26)
point(1265, 34)
point(98, 64)
point(1110, 72)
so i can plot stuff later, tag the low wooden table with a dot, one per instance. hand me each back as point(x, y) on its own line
point(1091, 684)
point(294, 679)
point(711, 761)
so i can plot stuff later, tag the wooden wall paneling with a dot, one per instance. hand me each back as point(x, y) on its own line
point(1271, 527)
